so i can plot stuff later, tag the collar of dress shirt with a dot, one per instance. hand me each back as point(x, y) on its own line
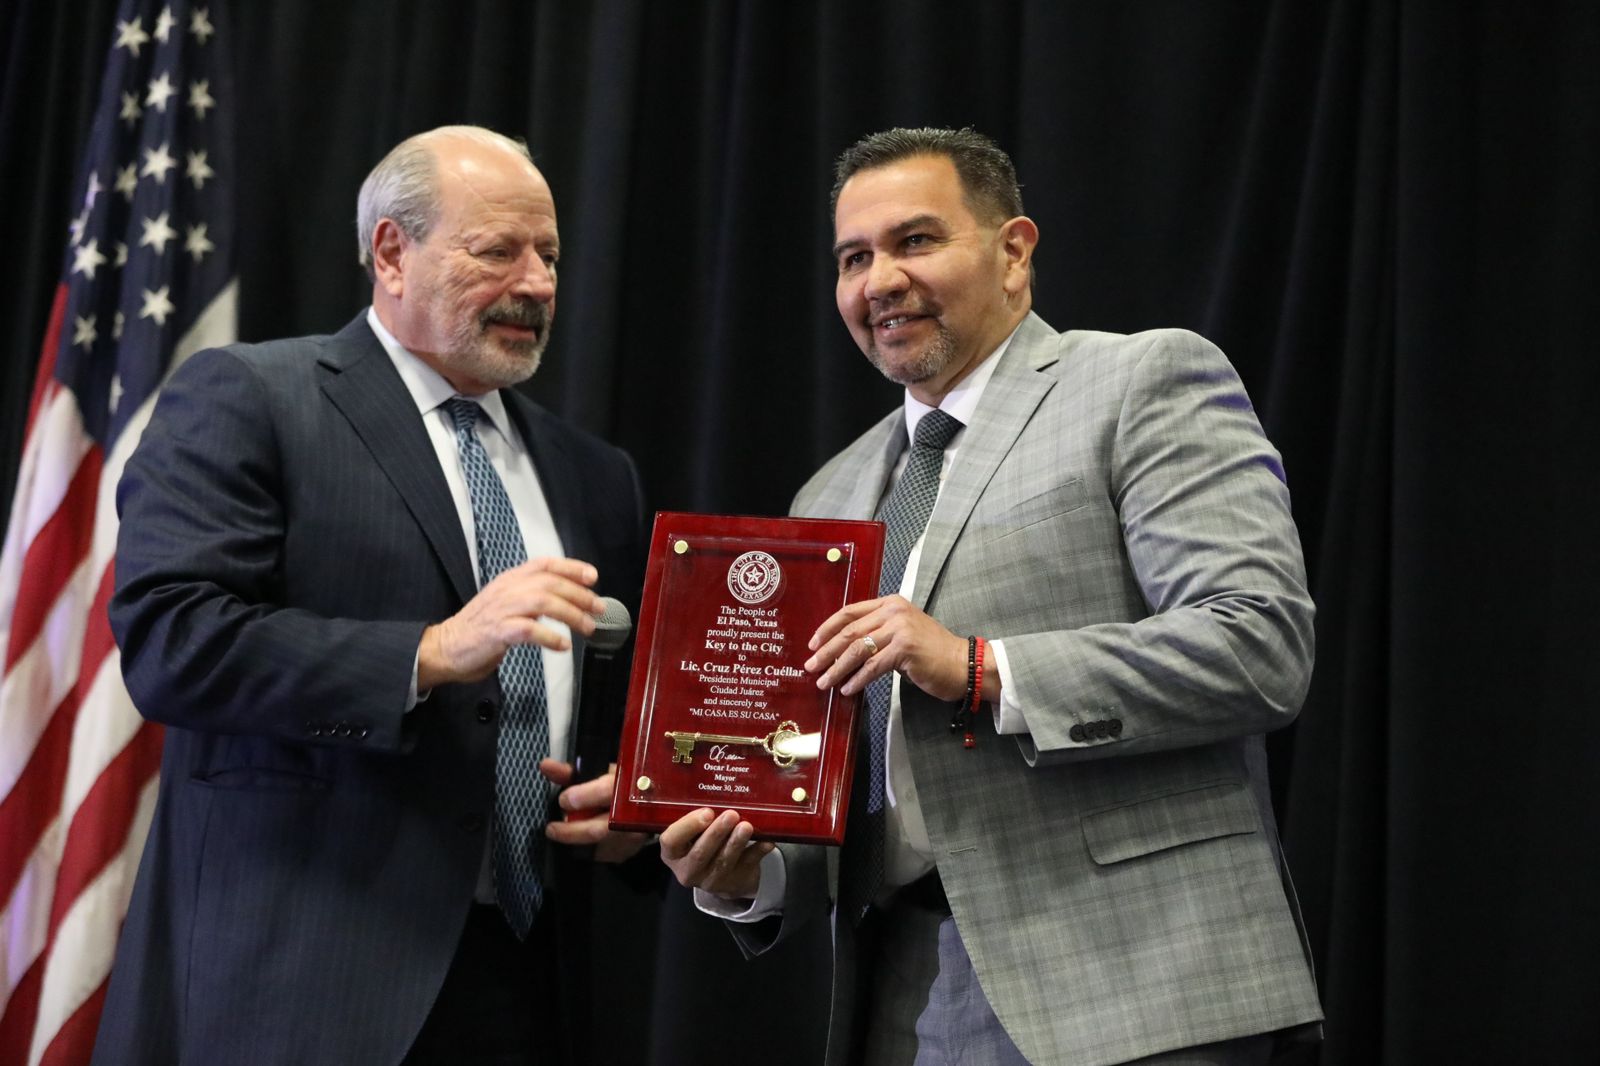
point(428, 387)
point(961, 402)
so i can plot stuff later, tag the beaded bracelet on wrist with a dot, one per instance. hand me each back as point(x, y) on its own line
point(967, 710)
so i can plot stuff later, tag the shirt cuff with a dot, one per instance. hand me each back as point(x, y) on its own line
point(769, 896)
point(1008, 717)
point(412, 696)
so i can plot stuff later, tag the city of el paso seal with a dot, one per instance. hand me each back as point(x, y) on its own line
point(754, 577)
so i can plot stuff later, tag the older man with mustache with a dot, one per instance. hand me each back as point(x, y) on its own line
point(351, 577)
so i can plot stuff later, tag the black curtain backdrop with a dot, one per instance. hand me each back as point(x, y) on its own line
point(1384, 212)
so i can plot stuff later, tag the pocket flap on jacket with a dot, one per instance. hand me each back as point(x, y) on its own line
point(260, 779)
point(1147, 826)
point(1054, 500)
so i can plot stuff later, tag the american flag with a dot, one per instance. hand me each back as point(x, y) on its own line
point(147, 279)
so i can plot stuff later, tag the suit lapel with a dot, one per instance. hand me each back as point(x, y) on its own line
point(867, 483)
point(1009, 401)
point(368, 391)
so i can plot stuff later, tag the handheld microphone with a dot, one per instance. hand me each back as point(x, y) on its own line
point(598, 720)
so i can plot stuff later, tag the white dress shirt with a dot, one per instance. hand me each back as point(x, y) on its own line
point(907, 853)
point(509, 456)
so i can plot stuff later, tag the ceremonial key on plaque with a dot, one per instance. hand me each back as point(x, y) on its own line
point(721, 712)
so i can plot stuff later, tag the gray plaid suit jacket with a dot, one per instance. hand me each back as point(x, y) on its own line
point(1115, 515)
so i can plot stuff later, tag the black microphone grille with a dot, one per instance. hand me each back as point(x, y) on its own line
point(611, 629)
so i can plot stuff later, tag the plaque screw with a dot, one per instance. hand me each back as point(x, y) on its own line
point(681, 546)
point(643, 784)
point(799, 795)
point(834, 555)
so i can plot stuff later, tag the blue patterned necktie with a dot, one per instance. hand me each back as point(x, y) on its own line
point(904, 513)
point(522, 795)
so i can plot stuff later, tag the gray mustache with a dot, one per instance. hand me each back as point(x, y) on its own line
point(525, 313)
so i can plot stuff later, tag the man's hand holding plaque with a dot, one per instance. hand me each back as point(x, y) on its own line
point(583, 803)
point(715, 853)
point(867, 640)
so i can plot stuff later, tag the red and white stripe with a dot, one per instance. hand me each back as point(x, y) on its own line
point(78, 765)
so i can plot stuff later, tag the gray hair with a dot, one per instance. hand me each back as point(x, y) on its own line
point(404, 186)
point(988, 178)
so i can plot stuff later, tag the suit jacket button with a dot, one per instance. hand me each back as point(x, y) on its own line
point(1100, 730)
point(314, 728)
point(472, 822)
point(485, 710)
point(342, 729)
point(1076, 732)
point(361, 734)
point(1115, 727)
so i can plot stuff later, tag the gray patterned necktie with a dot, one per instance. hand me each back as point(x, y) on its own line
point(904, 513)
point(522, 795)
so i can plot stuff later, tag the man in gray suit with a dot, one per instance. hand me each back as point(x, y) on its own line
point(1060, 847)
point(354, 575)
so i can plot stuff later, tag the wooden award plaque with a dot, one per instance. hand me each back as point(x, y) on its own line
point(721, 712)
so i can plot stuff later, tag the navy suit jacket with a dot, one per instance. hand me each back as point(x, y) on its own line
point(286, 536)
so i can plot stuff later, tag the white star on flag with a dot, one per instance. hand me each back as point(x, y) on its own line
point(161, 91)
point(164, 24)
point(198, 170)
point(121, 259)
point(87, 259)
point(131, 35)
point(197, 244)
point(92, 191)
point(200, 24)
point(116, 392)
point(200, 97)
point(157, 305)
point(157, 162)
point(156, 234)
point(130, 108)
point(127, 181)
point(83, 331)
point(116, 325)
